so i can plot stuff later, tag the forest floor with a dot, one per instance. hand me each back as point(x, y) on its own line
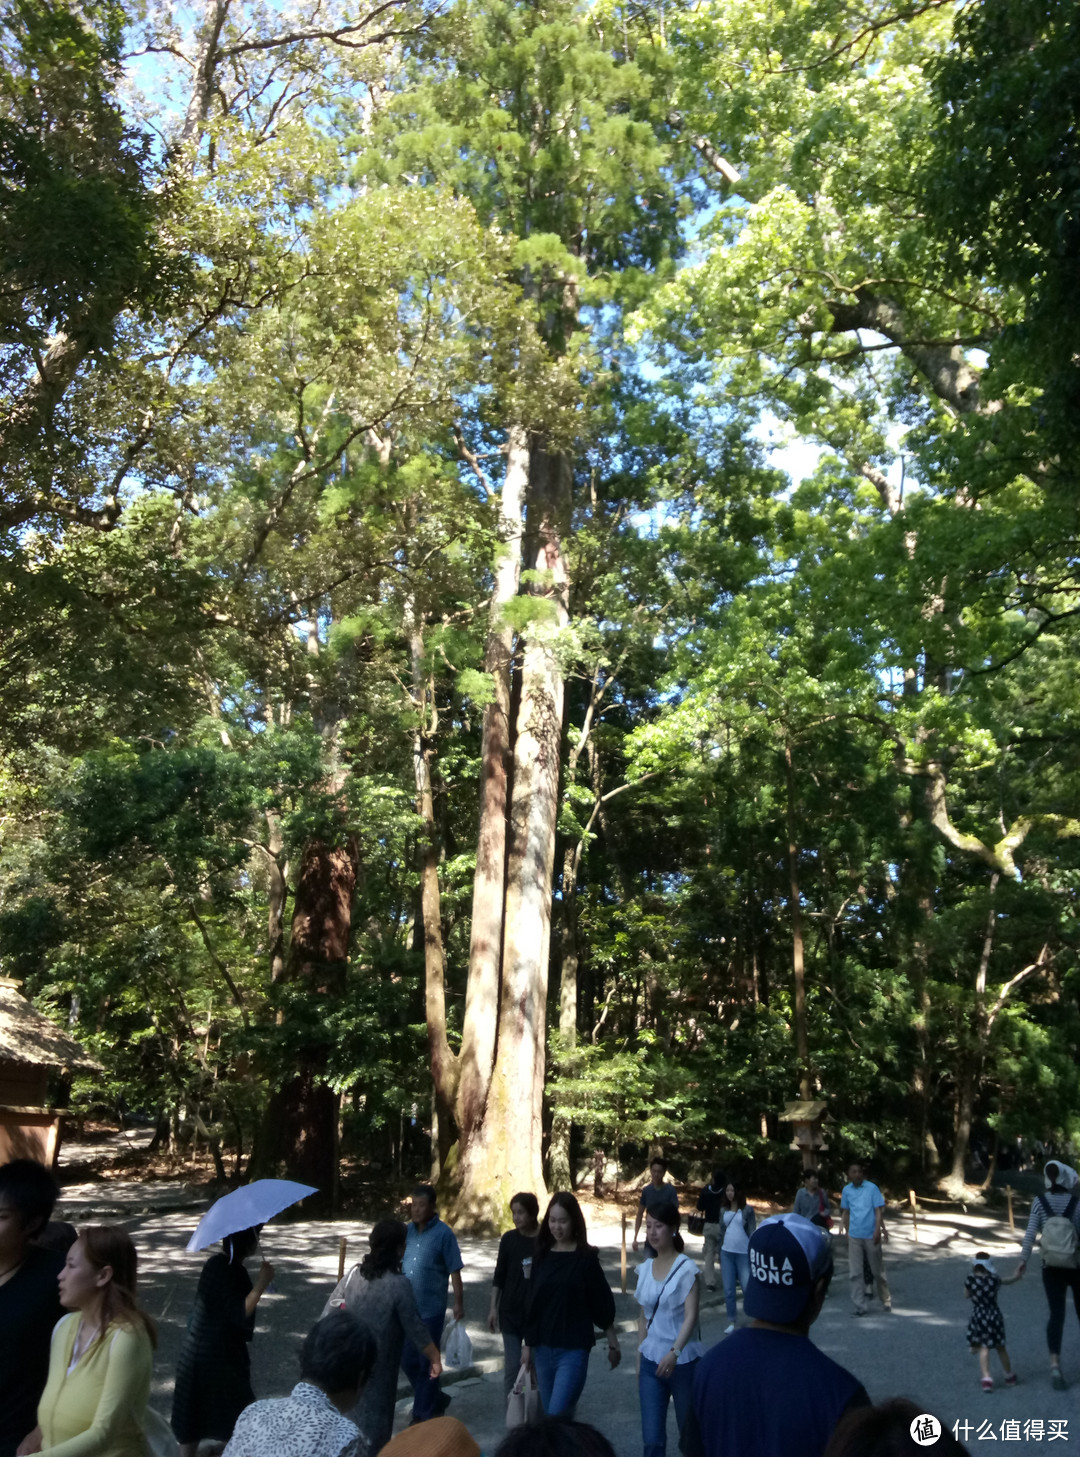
point(919, 1351)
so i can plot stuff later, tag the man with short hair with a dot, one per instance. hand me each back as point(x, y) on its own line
point(766, 1390)
point(431, 1254)
point(655, 1194)
point(29, 1296)
point(811, 1200)
point(862, 1211)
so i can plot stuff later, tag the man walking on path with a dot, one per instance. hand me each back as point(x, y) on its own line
point(766, 1389)
point(862, 1209)
point(710, 1202)
point(431, 1254)
point(654, 1194)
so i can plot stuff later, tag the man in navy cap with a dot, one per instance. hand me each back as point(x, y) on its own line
point(767, 1391)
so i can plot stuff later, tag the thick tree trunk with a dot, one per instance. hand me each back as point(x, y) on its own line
point(480, 1025)
point(506, 1153)
point(299, 1132)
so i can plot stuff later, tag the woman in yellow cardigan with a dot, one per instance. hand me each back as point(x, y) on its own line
point(94, 1402)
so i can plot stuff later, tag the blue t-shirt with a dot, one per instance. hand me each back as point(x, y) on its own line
point(763, 1393)
point(431, 1255)
point(861, 1200)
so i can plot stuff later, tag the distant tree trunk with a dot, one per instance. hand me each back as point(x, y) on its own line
point(505, 1153)
point(299, 1130)
point(972, 1050)
point(277, 897)
point(559, 1152)
point(802, 1042)
point(444, 1065)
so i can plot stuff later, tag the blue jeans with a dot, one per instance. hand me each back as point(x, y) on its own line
point(415, 1364)
point(560, 1375)
point(732, 1265)
point(654, 1392)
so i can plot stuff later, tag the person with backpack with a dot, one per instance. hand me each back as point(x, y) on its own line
point(1056, 1214)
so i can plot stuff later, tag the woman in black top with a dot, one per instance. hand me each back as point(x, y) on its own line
point(213, 1370)
point(568, 1297)
point(509, 1285)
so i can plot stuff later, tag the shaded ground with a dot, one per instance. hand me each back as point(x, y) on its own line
point(919, 1351)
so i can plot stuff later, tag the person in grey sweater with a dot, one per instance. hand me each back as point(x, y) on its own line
point(379, 1295)
point(812, 1202)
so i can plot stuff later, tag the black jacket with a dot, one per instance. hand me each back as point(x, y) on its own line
point(568, 1297)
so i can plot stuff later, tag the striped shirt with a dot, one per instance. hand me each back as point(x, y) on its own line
point(1058, 1202)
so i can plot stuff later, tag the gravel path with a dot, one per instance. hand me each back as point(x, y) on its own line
point(918, 1351)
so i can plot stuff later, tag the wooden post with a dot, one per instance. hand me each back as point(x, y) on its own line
point(342, 1246)
point(622, 1258)
point(914, 1213)
point(1008, 1196)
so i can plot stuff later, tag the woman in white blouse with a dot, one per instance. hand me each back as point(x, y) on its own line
point(669, 1341)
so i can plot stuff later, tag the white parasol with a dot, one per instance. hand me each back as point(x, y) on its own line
point(245, 1207)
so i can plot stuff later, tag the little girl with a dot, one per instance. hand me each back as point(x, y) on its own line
point(986, 1329)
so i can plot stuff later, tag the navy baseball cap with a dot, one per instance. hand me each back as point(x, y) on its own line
point(788, 1256)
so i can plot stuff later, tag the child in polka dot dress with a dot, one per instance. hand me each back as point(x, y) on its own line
point(986, 1328)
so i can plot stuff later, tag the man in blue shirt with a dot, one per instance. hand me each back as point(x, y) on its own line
point(767, 1391)
point(431, 1254)
point(862, 1209)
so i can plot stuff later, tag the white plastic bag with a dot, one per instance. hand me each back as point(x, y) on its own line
point(456, 1346)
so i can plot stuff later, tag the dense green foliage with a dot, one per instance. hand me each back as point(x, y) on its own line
point(260, 398)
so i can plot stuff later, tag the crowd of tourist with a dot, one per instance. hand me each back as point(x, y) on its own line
point(76, 1348)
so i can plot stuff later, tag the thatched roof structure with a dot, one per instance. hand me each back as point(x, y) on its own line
point(28, 1038)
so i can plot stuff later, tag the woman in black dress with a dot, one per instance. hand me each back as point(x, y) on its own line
point(213, 1370)
point(569, 1297)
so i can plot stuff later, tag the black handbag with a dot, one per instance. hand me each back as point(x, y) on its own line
point(695, 1223)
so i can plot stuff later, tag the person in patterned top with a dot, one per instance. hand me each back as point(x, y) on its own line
point(336, 1360)
point(986, 1328)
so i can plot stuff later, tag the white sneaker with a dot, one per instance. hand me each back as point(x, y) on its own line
point(730, 1328)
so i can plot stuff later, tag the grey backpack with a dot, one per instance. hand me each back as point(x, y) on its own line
point(1058, 1246)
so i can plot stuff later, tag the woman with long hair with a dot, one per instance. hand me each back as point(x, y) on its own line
point(378, 1294)
point(1060, 1275)
point(669, 1341)
point(738, 1221)
point(569, 1297)
point(213, 1370)
point(95, 1398)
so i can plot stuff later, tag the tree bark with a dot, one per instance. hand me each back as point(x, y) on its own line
point(506, 1154)
point(299, 1130)
point(480, 1026)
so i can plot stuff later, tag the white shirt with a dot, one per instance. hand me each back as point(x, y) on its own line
point(736, 1239)
point(671, 1311)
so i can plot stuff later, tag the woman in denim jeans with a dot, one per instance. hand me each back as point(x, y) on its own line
point(738, 1221)
point(669, 1347)
point(569, 1297)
